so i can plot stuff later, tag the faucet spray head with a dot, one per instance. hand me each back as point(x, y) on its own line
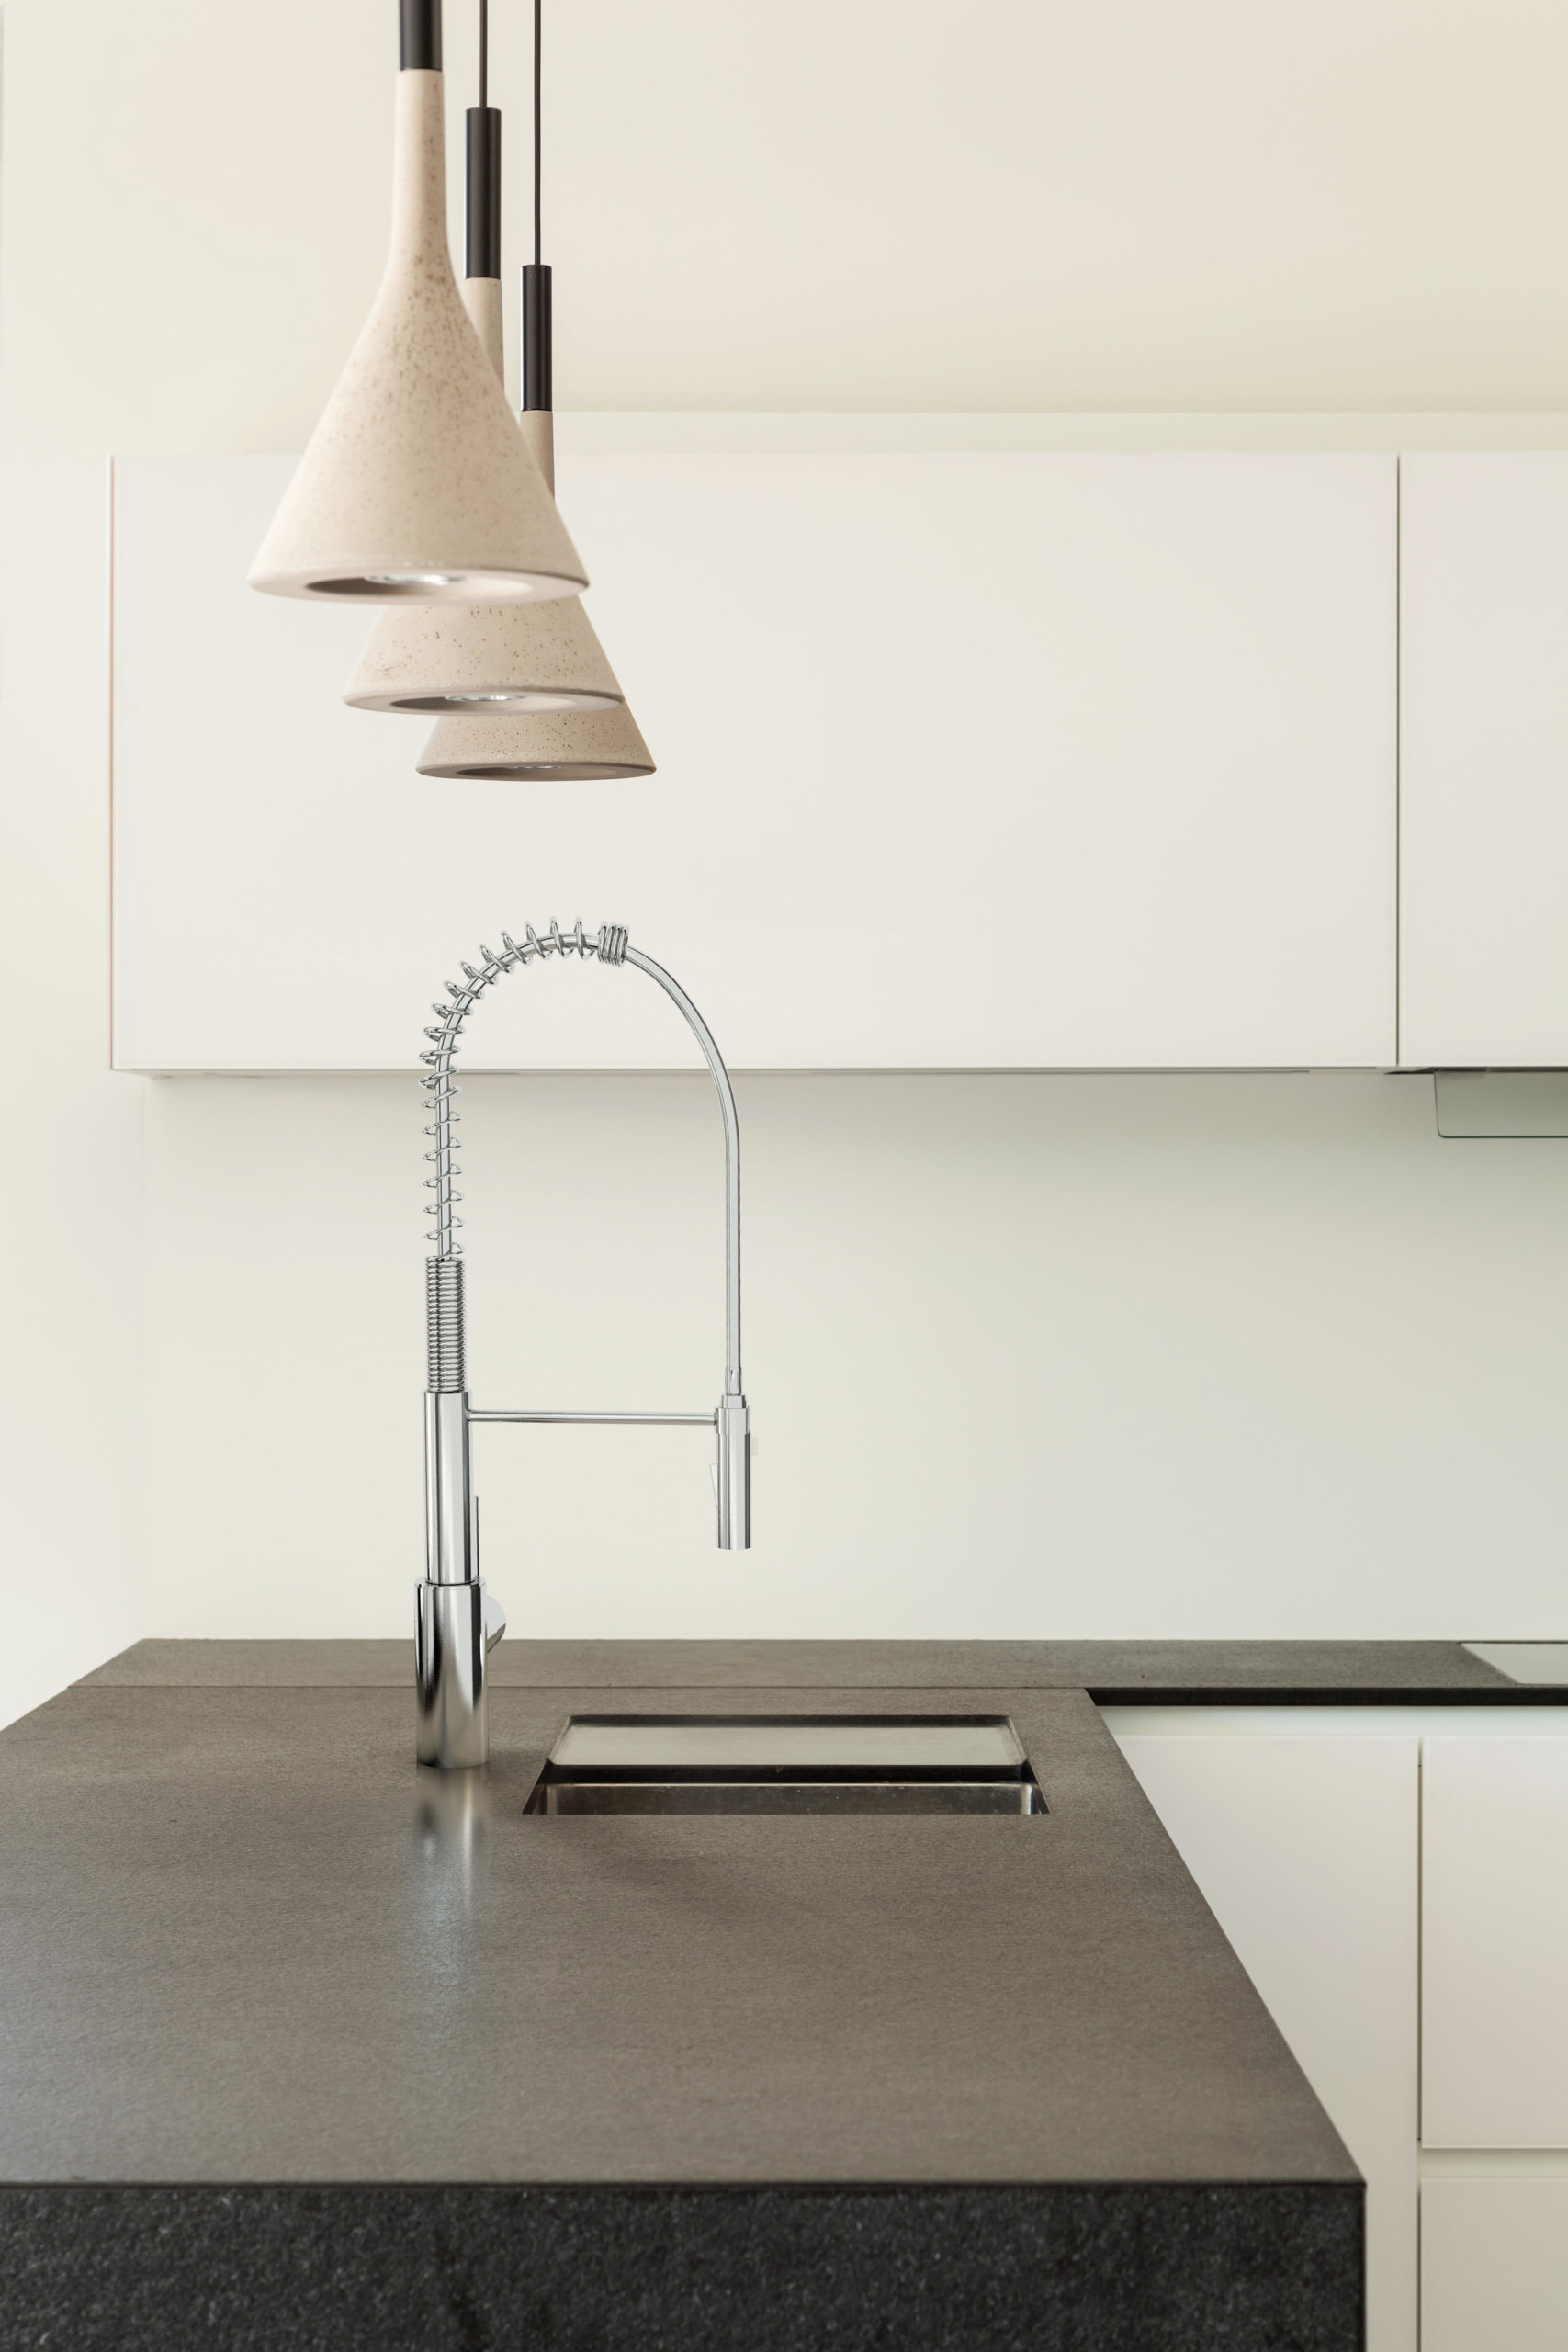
point(732, 1478)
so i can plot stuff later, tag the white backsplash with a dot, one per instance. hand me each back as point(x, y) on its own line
point(1196, 1356)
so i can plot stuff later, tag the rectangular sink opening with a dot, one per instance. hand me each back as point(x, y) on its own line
point(788, 1764)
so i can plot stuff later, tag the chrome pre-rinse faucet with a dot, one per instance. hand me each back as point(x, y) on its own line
point(455, 1626)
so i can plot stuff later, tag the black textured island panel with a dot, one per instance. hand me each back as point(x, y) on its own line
point(1171, 1673)
point(291, 2026)
point(788, 2269)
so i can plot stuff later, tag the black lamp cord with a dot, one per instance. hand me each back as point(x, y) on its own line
point(481, 239)
point(537, 391)
point(538, 127)
point(482, 226)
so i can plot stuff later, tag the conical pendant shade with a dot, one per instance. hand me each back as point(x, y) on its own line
point(570, 747)
point(511, 675)
point(417, 485)
point(496, 658)
point(501, 660)
point(489, 657)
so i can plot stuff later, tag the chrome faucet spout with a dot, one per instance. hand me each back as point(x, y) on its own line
point(733, 1383)
point(456, 1623)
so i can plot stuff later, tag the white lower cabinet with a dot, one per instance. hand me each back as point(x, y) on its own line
point(1494, 2266)
point(1494, 1940)
point(1396, 1884)
point(1305, 1849)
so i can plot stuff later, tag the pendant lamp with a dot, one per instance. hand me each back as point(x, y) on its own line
point(490, 658)
point(416, 486)
point(539, 739)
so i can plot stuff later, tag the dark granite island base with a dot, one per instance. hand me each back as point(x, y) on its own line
point(291, 2269)
point(306, 2047)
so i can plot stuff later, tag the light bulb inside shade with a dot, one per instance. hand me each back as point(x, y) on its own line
point(441, 587)
point(540, 772)
point(505, 700)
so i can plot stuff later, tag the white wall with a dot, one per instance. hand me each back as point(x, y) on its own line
point(833, 204)
point(1136, 207)
point(71, 1335)
point(1028, 1356)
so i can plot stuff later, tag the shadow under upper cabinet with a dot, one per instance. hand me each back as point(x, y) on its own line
point(797, 1764)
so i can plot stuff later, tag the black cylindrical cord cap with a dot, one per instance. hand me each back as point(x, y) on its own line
point(537, 391)
point(419, 36)
point(482, 214)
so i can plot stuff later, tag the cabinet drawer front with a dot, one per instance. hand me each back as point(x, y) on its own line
point(1495, 1942)
point(1494, 2266)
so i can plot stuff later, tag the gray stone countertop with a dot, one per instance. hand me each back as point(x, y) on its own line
point(306, 2047)
point(1122, 1673)
point(244, 1938)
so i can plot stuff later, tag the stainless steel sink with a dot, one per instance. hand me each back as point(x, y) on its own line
point(795, 1764)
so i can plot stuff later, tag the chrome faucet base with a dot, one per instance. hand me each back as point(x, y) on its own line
point(449, 1674)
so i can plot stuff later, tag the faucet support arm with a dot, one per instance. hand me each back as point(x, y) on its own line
point(700, 1420)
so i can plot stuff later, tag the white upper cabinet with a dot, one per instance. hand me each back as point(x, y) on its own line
point(963, 761)
point(1484, 756)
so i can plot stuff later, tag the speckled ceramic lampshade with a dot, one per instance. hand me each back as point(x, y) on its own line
point(566, 747)
point(416, 485)
point(526, 692)
point(539, 741)
point(499, 657)
point(504, 659)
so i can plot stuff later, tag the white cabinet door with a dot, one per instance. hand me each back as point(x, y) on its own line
point(1306, 1851)
point(1495, 1942)
point(1483, 846)
point(1494, 2266)
point(963, 761)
